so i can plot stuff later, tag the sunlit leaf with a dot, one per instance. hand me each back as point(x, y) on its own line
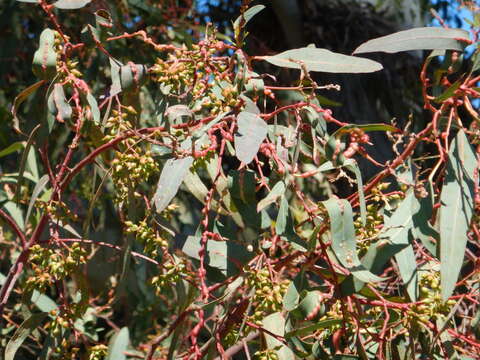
point(45, 58)
point(426, 38)
point(343, 239)
point(252, 130)
point(398, 227)
point(118, 345)
point(170, 180)
point(275, 323)
point(58, 105)
point(71, 4)
point(322, 60)
point(456, 210)
point(243, 19)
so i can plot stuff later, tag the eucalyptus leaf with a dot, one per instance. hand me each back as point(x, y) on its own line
point(343, 239)
point(118, 345)
point(22, 332)
point(457, 202)
point(71, 4)
point(322, 60)
point(277, 191)
point(45, 58)
point(173, 173)
point(252, 130)
point(398, 228)
point(426, 38)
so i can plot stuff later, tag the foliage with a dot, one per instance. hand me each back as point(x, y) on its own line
point(177, 201)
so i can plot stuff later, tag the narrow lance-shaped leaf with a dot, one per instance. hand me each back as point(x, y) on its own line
point(398, 228)
point(426, 38)
point(70, 4)
point(170, 180)
point(22, 333)
point(252, 130)
point(456, 210)
point(247, 16)
point(343, 239)
point(36, 192)
point(322, 60)
point(20, 99)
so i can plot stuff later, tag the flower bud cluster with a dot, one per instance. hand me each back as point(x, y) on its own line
point(129, 169)
point(53, 264)
point(268, 354)
point(98, 352)
point(268, 296)
point(172, 273)
point(151, 240)
point(58, 210)
point(195, 71)
point(431, 307)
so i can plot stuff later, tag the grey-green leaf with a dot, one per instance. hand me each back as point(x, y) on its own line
point(36, 192)
point(398, 228)
point(45, 58)
point(275, 323)
point(58, 105)
point(118, 345)
point(170, 180)
point(426, 38)
point(71, 4)
point(323, 60)
point(343, 239)
point(22, 333)
point(247, 16)
point(456, 210)
point(252, 130)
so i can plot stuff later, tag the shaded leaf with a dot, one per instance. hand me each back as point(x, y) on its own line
point(11, 148)
point(343, 239)
point(448, 92)
point(36, 192)
point(456, 210)
point(308, 305)
point(20, 98)
point(22, 333)
point(365, 127)
point(311, 328)
point(426, 38)
point(322, 60)
point(252, 130)
point(170, 180)
point(118, 345)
